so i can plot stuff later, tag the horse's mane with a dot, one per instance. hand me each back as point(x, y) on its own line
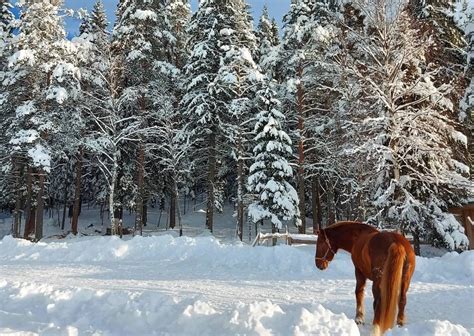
point(350, 223)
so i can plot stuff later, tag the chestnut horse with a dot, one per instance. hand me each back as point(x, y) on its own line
point(386, 258)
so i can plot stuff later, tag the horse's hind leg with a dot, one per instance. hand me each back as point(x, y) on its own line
point(407, 273)
point(377, 308)
point(359, 292)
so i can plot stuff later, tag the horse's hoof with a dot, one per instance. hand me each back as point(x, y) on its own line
point(359, 320)
point(375, 331)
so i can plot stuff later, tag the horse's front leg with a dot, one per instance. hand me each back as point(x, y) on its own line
point(359, 293)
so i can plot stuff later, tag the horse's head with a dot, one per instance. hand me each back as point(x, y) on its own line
point(324, 251)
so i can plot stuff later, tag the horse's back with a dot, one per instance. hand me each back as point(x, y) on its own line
point(373, 250)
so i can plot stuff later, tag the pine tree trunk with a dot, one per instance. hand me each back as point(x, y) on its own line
point(240, 191)
point(416, 243)
point(331, 205)
point(39, 207)
point(77, 193)
point(175, 188)
point(29, 209)
point(317, 218)
point(114, 218)
point(274, 230)
point(63, 222)
point(145, 212)
point(141, 189)
point(212, 170)
point(301, 154)
point(173, 201)
point(17, 218)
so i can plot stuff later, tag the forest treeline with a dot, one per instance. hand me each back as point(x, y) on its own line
point(356, 110)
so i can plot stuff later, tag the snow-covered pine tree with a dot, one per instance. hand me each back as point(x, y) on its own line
point(468, 102)
point(6, 27)
point(41, 78)
point(275, 32)
point(466, 21)
point(298, 28)
point(98, 19)
point(204, 110)
point(236, 82)
point(328, 124)
point(447, 53)
point(411, 129)
point(271, 173)
point(150, 37)
point(111, 131)
point(178, 14)
point(326, 132)
point(137, 42)
point(268, 44)
point(168, 143)
point(92, 46)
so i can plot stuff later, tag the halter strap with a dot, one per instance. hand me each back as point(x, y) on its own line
point(327, 251)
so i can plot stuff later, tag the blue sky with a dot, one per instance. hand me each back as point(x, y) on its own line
point(277, 9)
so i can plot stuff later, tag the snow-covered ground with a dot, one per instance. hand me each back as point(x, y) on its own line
point(162, 285)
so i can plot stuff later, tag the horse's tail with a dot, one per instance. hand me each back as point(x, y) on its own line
point(390, 286)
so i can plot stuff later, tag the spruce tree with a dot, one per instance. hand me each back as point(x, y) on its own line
point(202, 107)
point(93, 48)
point(331, 104)
point(236, 81)
point(223, 49)
point(270, 175)
point(298, 28)
point(138, 44)
point(6, 25)
point(469, 96)
point(41, 79)
point(268, 42)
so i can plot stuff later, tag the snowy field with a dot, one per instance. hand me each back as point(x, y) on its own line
point(162, 285)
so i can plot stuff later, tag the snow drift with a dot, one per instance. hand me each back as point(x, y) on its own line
point(198, 286)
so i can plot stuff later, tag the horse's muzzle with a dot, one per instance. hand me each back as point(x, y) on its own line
point(321, 264)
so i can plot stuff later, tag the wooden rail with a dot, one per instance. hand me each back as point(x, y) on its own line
point(290, 239)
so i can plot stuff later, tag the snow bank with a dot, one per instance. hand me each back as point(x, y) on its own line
point(202, 252)
point(208, 253)
point(452, 267)
point(87, 312)
point(198, 286)
point(430, 328)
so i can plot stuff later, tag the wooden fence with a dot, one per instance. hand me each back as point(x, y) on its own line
point(289, 238)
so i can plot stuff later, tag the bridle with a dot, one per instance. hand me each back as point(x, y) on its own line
point(327, 251)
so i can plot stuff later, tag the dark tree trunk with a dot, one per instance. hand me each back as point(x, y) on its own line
point(77, 193)
point(416, 243)
point(300, 107)
point(17, 218)
point(173, 200)
point(274, 230)
point(331, 204)
point(29, 209)
point(39, 207)
point(316, 204)
point(240, 191)
point(141, 186)
point(212, 170)
point(145, 213)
